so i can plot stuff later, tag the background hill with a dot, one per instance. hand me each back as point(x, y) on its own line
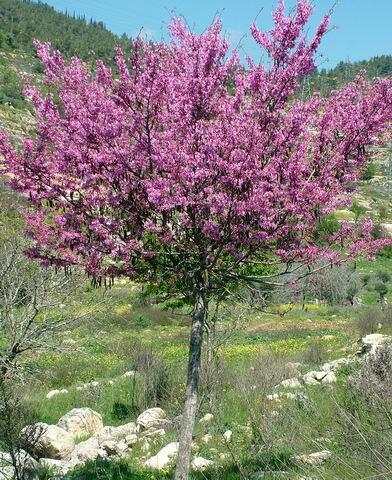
point(325, 81)
point(23, 21)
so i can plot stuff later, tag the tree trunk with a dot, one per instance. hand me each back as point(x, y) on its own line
point(190, 407)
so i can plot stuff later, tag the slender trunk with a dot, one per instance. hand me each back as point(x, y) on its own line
point(190, 407)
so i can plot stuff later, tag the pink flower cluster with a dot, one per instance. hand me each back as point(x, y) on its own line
point(182, 156)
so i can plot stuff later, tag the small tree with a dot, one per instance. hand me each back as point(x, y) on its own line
point(31, 319)
point(190, 172)
point(382, 289)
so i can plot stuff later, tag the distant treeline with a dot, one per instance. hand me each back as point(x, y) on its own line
point(22, 21)
point(325, 81)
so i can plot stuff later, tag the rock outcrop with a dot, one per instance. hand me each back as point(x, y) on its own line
point(50, 441)
point(316, 458)
point(152, 418)
point(81, 422)
point(164, 457)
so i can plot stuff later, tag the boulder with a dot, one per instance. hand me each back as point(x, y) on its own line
point(329, 378)
point(370, 343)
point(58, 466)
point(291, 383)
point(200, 464)
point(336, 364)
point(26, 464)
point(227, 436)
point(56, 393)
point(7, 473)
point(5, 458)
point(88, 386)
point(319, 375)
point(131, 440)
point(152, 418)
point(111, 447)
point(296, 366)
point(208, 417)
point(273, 396)
point(116, 433)
point(206, 438)
point(81, 421)
point(310, 378)
point(49, 441)
point(26, 461)
point(152, 432)
point(315, 458)
point(146, 446)
point(164, 457)
point(88, 450)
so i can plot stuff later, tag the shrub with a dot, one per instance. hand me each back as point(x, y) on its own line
point(374, 380)
point(370, 172)
point(315, 354)
point(104, 470)
point(369, 320)
point(381, 289)
point(337, 285)
point(383, 276)
point(357, 210)
point(366, 416)
point(154, 386)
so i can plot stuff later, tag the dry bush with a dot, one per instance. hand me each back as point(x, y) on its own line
point(374, 380)
point(14, 416)
point(369, 320)
point(373, 318)
point(155, 383)
point(315, 354)
point(366, 415)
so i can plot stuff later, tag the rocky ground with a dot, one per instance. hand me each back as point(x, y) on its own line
point(81, 436)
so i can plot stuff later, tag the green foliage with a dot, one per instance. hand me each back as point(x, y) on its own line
point(386, 252)
point(358, 210)
point(104, 470)
point(10, 86)
point(384, 277)
point(370, 171)
point(381, 289)
point(325, 81)
point(327, 226)
point(23, 21)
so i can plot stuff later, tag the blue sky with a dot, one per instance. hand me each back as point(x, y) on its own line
point(363, 28)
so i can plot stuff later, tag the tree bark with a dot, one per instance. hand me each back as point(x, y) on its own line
point(190, 407)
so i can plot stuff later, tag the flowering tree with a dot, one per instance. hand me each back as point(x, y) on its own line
point(186, 170)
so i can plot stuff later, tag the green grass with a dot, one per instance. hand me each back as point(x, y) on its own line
point(102, 349)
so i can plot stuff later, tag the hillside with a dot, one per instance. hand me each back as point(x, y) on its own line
point(23, 21)
point(325, 80)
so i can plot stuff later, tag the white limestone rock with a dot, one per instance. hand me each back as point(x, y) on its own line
point(153, 417)
point(316, 458)
point(164, 457)
point(208, 417)
point(49, 441)
point(81, 421)
point(200, 464)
